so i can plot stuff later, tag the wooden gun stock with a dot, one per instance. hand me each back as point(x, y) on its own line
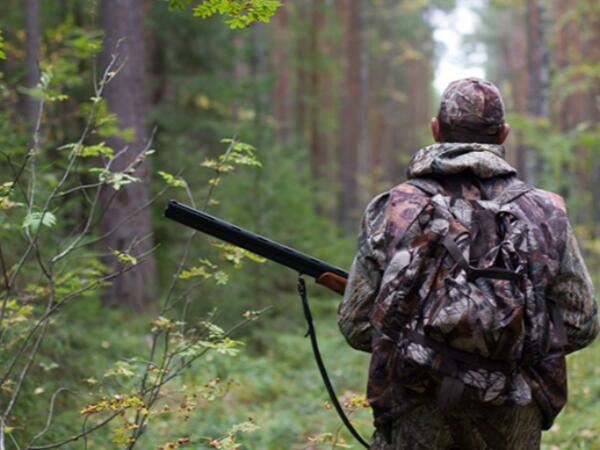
point(333, 281)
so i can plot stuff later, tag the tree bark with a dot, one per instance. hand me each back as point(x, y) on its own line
point(364, 157)
point(32, 57)
point(318, 150)
point(123, 24)
point(302, 21)
point(281, 63)
point(349, 114)
point(537, 69)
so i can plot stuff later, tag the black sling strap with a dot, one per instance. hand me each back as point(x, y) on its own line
point(315, 347)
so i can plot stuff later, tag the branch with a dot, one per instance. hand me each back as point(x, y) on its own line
point(78, 435)
point(72, 158)
point(50, 415)
point(55, 308)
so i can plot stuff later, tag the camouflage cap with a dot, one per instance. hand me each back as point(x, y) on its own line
point(473, 104)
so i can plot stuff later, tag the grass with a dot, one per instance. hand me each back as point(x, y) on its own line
point(578, 425)
point(273, 381)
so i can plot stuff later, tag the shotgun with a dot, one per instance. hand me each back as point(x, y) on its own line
point(324, 273)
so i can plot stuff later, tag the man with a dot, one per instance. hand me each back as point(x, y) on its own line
point(467, 162)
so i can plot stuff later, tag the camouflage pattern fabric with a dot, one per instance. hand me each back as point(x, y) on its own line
point(483, 160)
point(559, 275)
point(471, 103)
point(474, 426)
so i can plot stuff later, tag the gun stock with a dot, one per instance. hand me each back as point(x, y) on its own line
point(325, 274)
point(332, 281)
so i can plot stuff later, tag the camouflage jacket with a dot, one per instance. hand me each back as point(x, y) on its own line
point(570, 288)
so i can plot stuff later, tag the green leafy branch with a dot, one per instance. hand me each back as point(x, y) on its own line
point(239, 13)
point(237, 154)
point(2, 54)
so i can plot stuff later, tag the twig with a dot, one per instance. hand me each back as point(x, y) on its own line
point(78, 435)
point(72, 158)
point(79, 188)
point(50, 415)
point(25, 370)
point(12, 438)
point(34, 152)
point(55, 308)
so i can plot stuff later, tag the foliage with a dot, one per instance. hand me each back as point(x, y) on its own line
point(240, 13)
point(2, 54)
point(65, 272)
point(33, 220)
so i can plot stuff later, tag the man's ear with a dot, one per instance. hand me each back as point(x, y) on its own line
point(435, 130)
point(504, 133)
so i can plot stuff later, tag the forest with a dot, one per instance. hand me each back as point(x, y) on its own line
point(120, 329)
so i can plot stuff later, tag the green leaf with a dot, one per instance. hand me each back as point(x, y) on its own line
point(245, 427)
point(236, 255)
point(125, 258)
point(221, 277)
point(2, 54)
point(96, 150)
point(47, 88)
point(240, 154)
point(121, 368)
point(163, 323)
point(239, 13)
point(172, 180)
point(116, 179)
point(34, 219)
point(194, 272)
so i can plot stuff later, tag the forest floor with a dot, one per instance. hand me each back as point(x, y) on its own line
point(274, 383)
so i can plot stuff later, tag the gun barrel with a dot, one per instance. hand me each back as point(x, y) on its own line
point(252, 242)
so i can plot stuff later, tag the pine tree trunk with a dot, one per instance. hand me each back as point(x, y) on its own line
point(318, 151)
point(364, 157)
point(281, 64)
point(32, 56)
point(349, 114)
point(301, 19)
point(123, 24)
point(537, 68)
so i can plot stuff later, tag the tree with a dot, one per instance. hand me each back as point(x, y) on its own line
point(32, 57)
point(350, 13)
point(281, 64)
point(538, 72)
point(124, 36)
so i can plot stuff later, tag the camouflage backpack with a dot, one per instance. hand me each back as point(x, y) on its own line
point(459, 311)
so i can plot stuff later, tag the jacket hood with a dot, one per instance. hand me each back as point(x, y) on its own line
point(484, 160)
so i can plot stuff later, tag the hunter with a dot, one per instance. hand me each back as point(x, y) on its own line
point(468, 289)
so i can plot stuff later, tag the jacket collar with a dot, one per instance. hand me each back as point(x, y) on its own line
point(484, 160)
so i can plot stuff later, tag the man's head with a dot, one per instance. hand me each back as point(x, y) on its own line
point(471, 110)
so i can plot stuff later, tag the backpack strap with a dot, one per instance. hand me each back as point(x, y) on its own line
point(474, 272)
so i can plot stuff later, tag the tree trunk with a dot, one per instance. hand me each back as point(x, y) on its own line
point(537, 68)
point(281, 64)
point(123, 24)
point(364, 157)
point(318, 150)
point(32, 56)
point(301, 24)
point(349, 114)
point(593, 104)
